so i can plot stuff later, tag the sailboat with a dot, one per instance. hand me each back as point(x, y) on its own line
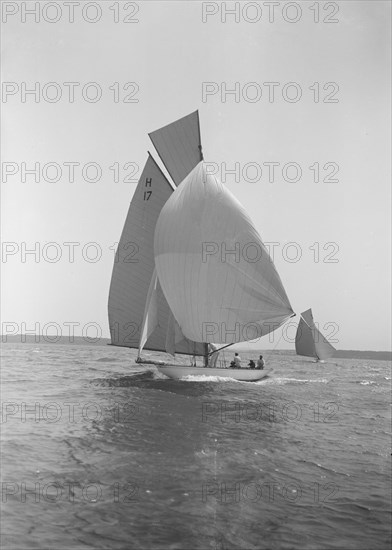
point(309, 341)
point(191, 275)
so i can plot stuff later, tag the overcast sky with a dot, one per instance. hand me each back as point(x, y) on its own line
point(338, 231)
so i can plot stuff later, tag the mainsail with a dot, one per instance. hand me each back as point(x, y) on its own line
point(179, 146)
point(309, 341)
point(215, 272)
point(134, 268)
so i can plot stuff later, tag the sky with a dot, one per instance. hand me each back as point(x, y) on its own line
point(332, 122)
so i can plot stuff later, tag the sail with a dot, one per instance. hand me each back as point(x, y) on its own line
point(215, 272)
point(304, 343)
point(173, 335)
point(324, 349)
point(309, 341)
point(157, 315)
point(179, 146)
point(150, 320)
point(134, 268)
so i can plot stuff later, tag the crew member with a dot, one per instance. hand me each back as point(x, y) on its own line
point(237, 361)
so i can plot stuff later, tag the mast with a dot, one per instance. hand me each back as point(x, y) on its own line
point(205, 355)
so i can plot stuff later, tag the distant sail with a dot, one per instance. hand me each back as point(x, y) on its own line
point(179, 146)
point(309, 341)
point(215, 272)
point(304, 343)
point(134, 267)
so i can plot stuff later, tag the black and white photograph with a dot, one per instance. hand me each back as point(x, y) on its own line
point(196, 275)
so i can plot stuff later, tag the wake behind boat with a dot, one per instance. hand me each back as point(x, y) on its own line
point(142, 361)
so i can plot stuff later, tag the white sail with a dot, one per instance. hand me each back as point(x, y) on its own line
point(309, 341)
point(150, 320)
point(179, 146)
point(134, 267)
point(174, 335)
point(175, 341)
point(215, 272)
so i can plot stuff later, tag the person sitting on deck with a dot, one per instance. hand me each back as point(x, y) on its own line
point(237, 361)
point(260, 363)
point(251, 364)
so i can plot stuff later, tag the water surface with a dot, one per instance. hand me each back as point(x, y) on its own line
point(99, 452)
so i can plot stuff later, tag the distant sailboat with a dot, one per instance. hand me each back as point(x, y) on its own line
point(309, 341)
point(191, 270)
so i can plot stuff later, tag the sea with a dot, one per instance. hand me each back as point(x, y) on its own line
point(102, 453)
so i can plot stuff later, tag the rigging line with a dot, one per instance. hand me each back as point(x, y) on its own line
point(223, 347)
point(280, 337)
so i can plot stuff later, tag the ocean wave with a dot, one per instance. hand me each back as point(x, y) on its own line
point(203, 378)
point(297, 380)
point(128, 380)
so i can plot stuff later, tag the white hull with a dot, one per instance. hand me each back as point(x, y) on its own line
point(181, 371)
